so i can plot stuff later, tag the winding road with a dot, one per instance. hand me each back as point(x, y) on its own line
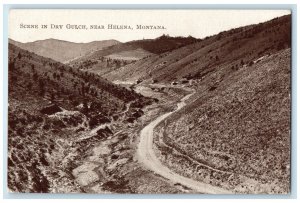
point(147, 156)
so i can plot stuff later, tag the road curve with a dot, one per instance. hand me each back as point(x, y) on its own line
point(147, 156)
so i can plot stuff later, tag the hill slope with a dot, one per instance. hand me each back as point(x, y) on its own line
point(156, 46)
point(63, 51)
point(55, 115)
point(235, 132)
point(125, 53)
point(237, 135)
point(235, 47)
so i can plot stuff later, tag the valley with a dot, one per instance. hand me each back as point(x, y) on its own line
point(156, 116)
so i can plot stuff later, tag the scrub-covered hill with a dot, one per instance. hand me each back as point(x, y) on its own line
point(235, 47)
point(55, 115)
point(114, 57)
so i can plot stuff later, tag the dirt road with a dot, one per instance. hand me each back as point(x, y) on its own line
point(147, 156)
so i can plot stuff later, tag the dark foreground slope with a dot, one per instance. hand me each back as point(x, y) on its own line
point(235, 47)
point(52, 110)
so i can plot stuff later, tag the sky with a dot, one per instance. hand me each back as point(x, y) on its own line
point(197, 23)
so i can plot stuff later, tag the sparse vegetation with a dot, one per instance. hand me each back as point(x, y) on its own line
point(203, 56)
point(51, 104)
point(229, 135)
point(70, 128)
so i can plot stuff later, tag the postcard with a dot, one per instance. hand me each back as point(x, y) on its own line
point(149, 101)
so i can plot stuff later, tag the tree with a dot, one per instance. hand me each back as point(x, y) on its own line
point(85, 107)
point(280, 46)
point(42, 87)
point(82, 89)
point(11, 65)
point(35, 76)
point(29, 85)
point(52, 97)
point(19, 55)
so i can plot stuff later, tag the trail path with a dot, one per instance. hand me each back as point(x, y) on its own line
point(147, 156)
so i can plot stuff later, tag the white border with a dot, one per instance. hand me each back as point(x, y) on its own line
point(146, 2)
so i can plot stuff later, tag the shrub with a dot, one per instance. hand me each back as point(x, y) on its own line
point(242, 62)
point(280, 46)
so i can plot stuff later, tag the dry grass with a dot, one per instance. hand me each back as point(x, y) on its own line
point(242, 127)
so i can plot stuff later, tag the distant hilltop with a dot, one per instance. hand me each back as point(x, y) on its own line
point(63, 51)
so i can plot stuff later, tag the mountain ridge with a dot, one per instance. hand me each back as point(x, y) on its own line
point(61, 50)
point(195, 60)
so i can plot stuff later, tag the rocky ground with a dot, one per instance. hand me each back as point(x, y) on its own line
point(236, 136)
point(72, 131)
point(112, 165)
point(68, 156)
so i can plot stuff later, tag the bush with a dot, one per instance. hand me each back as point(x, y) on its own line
point(280, 46)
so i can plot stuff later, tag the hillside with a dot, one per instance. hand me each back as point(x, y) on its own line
point(126, 53)
point(235, 47)
point(236, 136)
point(167, 115)
point(56, 114)
point(132, 55)
point(63, 51)
point(235, 131)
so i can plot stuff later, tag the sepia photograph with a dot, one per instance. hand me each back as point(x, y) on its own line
point(149, 101)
